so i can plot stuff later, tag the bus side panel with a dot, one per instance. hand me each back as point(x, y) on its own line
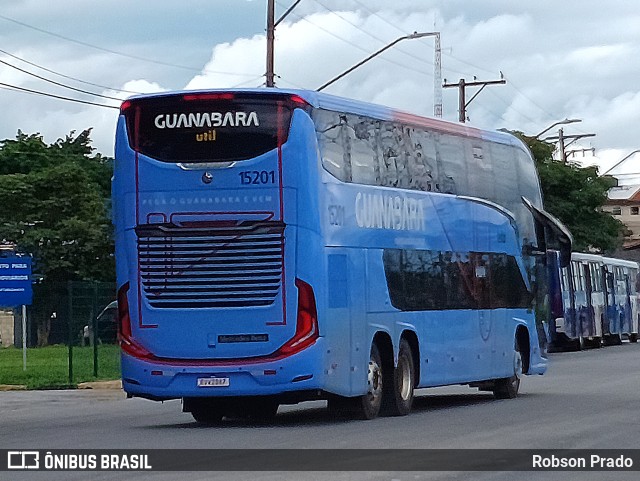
point(363, 329)
point(428, 328)
point(326, 269)
point(336, 319)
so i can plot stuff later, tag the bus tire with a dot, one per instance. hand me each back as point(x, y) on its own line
point(261, 411)
point(368, 405)
point(207, 414)
point(403, 382)
point(633, 337)
point(582, 343)
point(508, 387)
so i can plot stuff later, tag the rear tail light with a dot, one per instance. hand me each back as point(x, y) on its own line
point(298, 101)
point(124, 321)
point(125, 106)
point(307, 322)
point(125, 338)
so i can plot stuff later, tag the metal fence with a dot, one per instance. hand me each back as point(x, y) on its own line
point(71, 335)
point(91, 320)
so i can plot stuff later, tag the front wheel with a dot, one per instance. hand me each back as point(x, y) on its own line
point(508, 387)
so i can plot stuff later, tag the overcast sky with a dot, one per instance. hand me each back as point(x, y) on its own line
point(560, 59)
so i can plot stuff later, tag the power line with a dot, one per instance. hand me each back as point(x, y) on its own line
point(247, 82)
point(304, 19)
point(46, 94)
point(414, 57)
point(542, 109)
point(509, 106)
point(68, 77)
point(379, 16)
point(115, 52)
point(58, 83)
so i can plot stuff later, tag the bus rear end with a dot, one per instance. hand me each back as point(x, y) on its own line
point(211, 302)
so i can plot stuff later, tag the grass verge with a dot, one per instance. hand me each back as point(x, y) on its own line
point(48, 367)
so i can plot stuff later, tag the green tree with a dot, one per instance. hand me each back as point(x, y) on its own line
point(55, 201)
point(575, 195)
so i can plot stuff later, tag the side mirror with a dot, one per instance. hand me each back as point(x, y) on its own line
point(556, 235)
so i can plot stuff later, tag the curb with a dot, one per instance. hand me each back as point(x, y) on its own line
point(98, 385)
point(103, 385)
point(12, 387)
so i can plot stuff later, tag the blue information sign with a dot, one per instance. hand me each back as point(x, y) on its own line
point(15, 281)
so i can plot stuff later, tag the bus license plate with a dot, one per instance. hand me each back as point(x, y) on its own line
point(213, 382)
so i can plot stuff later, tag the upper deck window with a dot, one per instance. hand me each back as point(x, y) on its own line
point(208, 127)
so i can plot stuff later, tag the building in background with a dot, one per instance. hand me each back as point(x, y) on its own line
point(624, 204)
point(6, 327)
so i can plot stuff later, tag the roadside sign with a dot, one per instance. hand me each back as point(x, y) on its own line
point(15, 281)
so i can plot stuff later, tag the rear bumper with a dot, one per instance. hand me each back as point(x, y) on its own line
point(302, 371)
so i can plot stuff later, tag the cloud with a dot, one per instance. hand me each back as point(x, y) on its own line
point(559, 61)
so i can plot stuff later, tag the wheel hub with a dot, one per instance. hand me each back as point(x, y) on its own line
point(374, 381)
point(517, 365)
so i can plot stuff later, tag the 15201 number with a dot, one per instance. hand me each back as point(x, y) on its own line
point(257, 177)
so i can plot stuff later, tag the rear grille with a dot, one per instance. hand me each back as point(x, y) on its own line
point(211, 265)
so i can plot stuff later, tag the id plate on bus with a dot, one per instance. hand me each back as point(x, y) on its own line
point(213, 381)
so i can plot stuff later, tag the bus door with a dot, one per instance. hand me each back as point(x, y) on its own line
point(634, 283)
point(581, 302)
point(610, 302)
point(568, 304)
point(587, 327)
point(627, 327)
point(555, 295)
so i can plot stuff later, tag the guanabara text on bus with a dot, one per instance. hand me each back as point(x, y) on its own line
point(279, 246)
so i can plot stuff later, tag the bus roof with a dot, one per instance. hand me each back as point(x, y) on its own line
point(342, 104)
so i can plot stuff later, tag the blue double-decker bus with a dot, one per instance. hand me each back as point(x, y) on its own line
point(278, 246)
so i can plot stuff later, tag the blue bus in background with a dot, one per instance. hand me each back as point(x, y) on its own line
point(599, 302)
point(278, 246)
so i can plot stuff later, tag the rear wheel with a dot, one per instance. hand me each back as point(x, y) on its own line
point(262, 410)
point(207, 413)
point(403, 382)
point(633, 337)
point(508, 387)
point(612, 340)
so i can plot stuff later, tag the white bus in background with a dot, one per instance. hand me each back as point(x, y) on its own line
point(599, 302)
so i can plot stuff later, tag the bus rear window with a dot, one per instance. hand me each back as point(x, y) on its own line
point(207, 127)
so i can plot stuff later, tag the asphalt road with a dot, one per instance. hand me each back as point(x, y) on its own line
point(587, 400)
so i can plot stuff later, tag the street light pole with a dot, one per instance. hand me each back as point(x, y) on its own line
point(375, 54)
point(560, 122)
point(624, 159)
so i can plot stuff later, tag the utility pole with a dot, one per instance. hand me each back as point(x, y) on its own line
point(271, 37)
point(271, 31)
point(462, 85)
point(563, 152)
point(562, 144)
